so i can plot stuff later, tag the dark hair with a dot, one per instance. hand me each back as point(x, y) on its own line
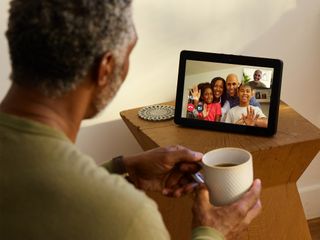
point(245, 85)
point(54, 43)
point(202, 87)
point(224, 93)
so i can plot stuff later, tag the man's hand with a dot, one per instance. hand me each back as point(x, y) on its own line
point(167, 170)
point(232, 219)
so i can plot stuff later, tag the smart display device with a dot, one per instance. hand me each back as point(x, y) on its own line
point(228, 93)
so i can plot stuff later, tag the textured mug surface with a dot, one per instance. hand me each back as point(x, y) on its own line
point(227, 183)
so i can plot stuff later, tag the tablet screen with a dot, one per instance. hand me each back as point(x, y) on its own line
point(228, 93)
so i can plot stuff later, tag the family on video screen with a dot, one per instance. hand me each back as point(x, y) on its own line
point(228, 100)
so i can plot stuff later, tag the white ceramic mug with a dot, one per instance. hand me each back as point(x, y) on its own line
point(228, 173)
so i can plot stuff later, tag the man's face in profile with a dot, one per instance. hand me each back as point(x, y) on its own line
point(120, 71)
point(232, 85)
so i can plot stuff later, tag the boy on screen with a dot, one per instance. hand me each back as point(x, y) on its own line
point(244, 113)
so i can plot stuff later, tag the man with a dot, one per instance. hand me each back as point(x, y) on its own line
point(256, 83)
point(232, 83)
point(68, 60)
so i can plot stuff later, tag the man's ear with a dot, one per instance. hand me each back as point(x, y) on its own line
point(105, 69)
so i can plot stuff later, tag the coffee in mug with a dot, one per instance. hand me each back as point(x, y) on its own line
point(228, 173)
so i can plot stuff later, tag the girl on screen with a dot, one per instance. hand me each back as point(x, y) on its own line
point(211, 96)
point(219, 87)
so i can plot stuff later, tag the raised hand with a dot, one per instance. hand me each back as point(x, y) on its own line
point(196, 93)
point(251, 117)
point(241, 120)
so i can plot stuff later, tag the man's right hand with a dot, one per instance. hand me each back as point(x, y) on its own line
point(229, 220)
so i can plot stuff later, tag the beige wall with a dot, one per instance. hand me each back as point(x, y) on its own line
point(285, 29)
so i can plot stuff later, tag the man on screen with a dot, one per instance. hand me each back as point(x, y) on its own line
point(256, 83)
point(232, 92)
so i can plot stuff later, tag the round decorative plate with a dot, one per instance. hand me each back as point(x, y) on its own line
point(156, 112)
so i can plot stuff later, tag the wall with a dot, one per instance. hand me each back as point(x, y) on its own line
point(285, 29)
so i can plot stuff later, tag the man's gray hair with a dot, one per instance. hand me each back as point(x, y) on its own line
point(54, 43)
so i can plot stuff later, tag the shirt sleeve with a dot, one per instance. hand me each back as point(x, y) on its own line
point(109, 166)
point(225, 108)
point(206, 233)
point(261, 114)
point(228, 117)
point(115, 165)
point(254, 102)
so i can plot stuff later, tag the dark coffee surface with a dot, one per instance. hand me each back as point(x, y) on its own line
point(226, 165)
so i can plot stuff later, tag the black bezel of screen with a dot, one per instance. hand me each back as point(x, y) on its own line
point(276, 64)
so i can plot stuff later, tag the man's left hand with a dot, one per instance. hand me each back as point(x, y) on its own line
point(165, 169)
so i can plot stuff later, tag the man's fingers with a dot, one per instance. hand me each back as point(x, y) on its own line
point(202, 197)
point(178, 180)
point(173, 179)
point(250, 198)
point(167, 192)
point(189, 167)
point(253, 212)
point(190, 187)
point(182, 154)
point(184, 190)
point(184, 186)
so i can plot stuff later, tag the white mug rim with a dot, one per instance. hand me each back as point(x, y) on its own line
point(226, 148)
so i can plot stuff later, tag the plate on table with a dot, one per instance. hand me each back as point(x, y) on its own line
point(156, 112)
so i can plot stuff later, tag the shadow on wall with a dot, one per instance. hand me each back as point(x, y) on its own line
point(292, 38)
point(295, 40)
point(107, 140)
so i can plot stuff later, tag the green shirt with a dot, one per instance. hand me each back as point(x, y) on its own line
point(50, 190)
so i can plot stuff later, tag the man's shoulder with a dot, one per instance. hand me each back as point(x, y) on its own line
point(257, 85)
point(233, 101)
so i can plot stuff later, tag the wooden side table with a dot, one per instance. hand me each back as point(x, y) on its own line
point(279, 161)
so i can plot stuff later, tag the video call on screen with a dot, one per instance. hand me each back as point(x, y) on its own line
point(205, 99)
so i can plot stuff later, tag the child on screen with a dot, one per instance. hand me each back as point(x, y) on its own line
point(246, 114)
